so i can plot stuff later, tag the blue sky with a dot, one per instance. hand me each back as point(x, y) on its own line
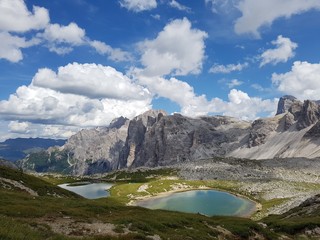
point(72, 64)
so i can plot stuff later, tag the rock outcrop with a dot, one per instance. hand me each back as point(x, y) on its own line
point(285, 103)
point(157, 139)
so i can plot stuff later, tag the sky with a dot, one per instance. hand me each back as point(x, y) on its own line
point(66, 65)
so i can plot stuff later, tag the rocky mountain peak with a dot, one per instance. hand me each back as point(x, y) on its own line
point(285, 103)
point(118, 122)
point(310, 114)
point(149, 117)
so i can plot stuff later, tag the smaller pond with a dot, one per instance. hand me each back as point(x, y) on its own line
point(89, 190)
point(206, 202)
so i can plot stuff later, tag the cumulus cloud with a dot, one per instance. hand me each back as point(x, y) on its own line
point(115, 54)
point(234, 83)
point(242, 106)
point(162, 55)
point(138, 5)
point(56, 103)
point(15, 129)
point(11, 46)
point(284, 50)
point(15, 17)
point(18, 127)
point(61, 39)
point(46, 106)
point(239, 103)
point(216, 68)
point(179, 6)
point(220, 6)
point(303, 81)
point(90, 80)
point(71, 34)
point(258, 13)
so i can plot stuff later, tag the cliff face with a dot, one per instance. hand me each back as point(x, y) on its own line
point(156, 139)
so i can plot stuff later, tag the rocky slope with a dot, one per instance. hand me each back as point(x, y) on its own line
point(157, 139)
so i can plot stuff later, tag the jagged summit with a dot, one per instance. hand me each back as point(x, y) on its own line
point(157, 139)
point(285, 103)
point(118, 122)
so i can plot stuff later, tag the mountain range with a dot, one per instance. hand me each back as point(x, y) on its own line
point(156, 139)
point(18, 148)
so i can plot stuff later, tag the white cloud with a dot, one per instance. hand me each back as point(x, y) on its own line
point(71, 34)
point(303, 81)
point(15, 17)
point(62, 39)
point(178, 49)
point(240, 105)
point(179, 6)
point(258, 87)
point(138, 5)
point(46, 106)
point(258, 13)
point(90, 80)
point(18, 127)
point(115, 54)
point(216, 68)
point(55, 103)
point(221, 6)
point(15, 129)
point(234, 83)
point(282, 53)
point(11, 46)
point(237, 96)
point(156, 16)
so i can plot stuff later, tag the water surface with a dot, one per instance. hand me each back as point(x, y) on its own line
point(206, 202)
point(89, 190)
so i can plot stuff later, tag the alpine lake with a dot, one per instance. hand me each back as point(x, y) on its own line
point(205, 202)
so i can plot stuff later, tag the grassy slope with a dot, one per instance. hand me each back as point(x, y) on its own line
point(21, 215)
point(24, 212)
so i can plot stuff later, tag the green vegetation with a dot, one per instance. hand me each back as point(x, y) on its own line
point(42, 161)
point(36, 216)
point(297, 220)
point(59, 214)
point(140, 175)
point(40, 186)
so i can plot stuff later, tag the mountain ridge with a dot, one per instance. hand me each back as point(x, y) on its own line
point(156, 139)
point(17, 148)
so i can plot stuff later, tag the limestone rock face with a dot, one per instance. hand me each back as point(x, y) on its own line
point(285, 103)
point(309, 114)
point(97, 150)
point(260, 130)
point(176, 139)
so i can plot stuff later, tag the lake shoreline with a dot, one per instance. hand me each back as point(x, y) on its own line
point(256, 206)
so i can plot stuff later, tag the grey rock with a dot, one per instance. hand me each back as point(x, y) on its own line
point(156, 139)
point(285, 103)
point(310, 114)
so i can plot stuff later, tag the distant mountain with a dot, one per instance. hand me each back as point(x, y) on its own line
point(156, 139)
point(18, 148)
point(8, 164)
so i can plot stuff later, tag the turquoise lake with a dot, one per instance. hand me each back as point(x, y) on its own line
point(89, 190)
point(206, 202)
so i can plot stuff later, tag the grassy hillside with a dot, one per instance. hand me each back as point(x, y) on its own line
point(58, 214)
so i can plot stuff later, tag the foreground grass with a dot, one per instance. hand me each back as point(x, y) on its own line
point(23, 216)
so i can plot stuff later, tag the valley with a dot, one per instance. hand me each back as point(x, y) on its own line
point(60, 214)
point(271, 163)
